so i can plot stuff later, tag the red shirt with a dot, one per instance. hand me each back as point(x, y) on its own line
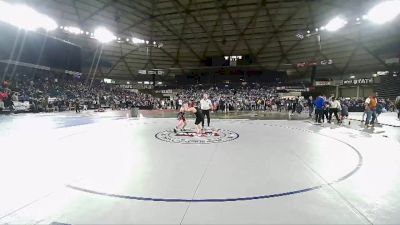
point(3, 96)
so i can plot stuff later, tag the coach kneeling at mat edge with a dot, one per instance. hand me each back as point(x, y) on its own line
point(205, 106)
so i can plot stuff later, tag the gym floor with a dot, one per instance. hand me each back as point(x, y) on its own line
point(107, 168)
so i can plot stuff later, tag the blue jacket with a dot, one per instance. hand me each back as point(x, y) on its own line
point(319, 103)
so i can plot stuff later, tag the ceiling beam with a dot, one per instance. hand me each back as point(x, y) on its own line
point(105, 6)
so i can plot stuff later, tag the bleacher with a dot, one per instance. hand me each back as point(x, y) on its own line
point(389, 87)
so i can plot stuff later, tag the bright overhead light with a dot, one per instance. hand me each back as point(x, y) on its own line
point(384, 12)
point(73, 30)
point(87, 32)
point(308, 32)
point(335, 24)
point(25, 17)
point(381, 73)
point(103, 35)
point(138, 41)
point(352, 77)
point(316, 29)
point(322, 28)
point(357, 19)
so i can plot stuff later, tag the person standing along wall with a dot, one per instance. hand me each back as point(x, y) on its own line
point(370, 108)
point(397, 105)
point(335, 107)
point(310, 105)
point(319, 108)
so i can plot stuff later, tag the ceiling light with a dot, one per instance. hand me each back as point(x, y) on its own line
point(358, 19)
point(73, 30)
point(352, 77)
point(316, 29)
point(336, 24)
point(322, 28)
point(381, 73)
point(308, 32)
point(87, 33)
point(384, 12)
point(137, 41)
point(103, 35)
point(25, 17)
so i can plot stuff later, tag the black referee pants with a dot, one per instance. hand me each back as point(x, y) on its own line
point(206, 113)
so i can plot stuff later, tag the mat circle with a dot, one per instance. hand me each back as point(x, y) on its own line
point(247, 198)
point(213, 136)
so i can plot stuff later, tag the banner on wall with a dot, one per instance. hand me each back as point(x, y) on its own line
point(358, 81)
point(345, 82)
point(127, 86)
point(323, 83)
point(292, 88)
point(21, 106)
point(168, 91)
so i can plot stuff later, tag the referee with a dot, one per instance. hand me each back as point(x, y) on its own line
point(205, 105)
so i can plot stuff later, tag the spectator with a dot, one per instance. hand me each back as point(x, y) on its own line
point(370, 108)
point(397, 103)
point(334, 108)
point(319, 108)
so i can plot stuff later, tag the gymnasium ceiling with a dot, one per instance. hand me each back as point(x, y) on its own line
point(190, 30)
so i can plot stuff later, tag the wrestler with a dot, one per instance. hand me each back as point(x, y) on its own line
point(199, 116)
point(181, 120)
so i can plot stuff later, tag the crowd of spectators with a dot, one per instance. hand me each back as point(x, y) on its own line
point(59, 92)
point(358, 104)
point(266, 98)
point(240, 98)
point(48, 92)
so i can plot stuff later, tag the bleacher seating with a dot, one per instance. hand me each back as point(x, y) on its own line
point(389, 87)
